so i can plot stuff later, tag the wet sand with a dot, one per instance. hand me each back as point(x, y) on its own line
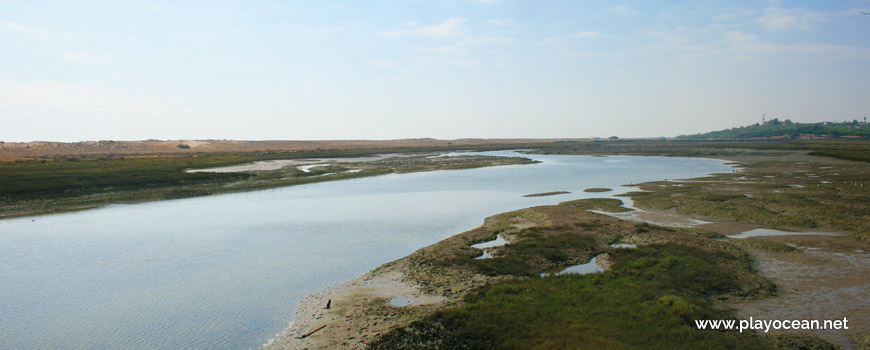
point(280, 163)
point(827, 278)
point(359, 310)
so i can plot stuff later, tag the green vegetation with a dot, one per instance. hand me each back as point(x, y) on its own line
point(73, 177)
point(183, 146)
point(649, 299)
point(842, 149)
point(609, 205)
point(797, 191)
point(541, 238)
point(651, 295)
point(765, 245)
point(46, 185)
point(780, 195)
point(777, 128)
point(34, 187)
point(803, 342)
point(670, 148)
point(598, 189)
point(543, 194)
point(530, 256)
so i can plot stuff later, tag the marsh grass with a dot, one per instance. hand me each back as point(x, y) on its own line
point(543, 194)
point(534, 253)
point(647, 300)
point(838, 203)
point(858, 150)
point(651, 295)
point(610, 205)
point(38, 187)
point(598, 189)
point(764, 245)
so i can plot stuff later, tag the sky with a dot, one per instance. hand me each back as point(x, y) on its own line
point(318, 70)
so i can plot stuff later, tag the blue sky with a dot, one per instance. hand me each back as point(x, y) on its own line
point(128, 70)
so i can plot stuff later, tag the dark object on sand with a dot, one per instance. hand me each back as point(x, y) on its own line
point(328, 303)
point(311, 332)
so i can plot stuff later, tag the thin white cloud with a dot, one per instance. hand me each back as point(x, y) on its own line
point(749, 44)
point(394, 33)
point(66, 105)
point(447, 29)
point(585, 34)
point(463, 62)
point(487, 40)
point(497, 21)
point(670, 37)
point(743, 58)
point(621, 9)
point(556, 40)
point(738, 13)
point(778, 19)
point(382, 63)
point(72, 96)
point(439, 49)
point(32, 32)
point(79, 57)
point(332, 30)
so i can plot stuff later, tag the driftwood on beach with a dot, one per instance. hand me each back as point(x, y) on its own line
point(311, 332)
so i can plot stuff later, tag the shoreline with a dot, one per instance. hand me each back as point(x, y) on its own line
point(250, 181)
point(359, 310)
point(365, 303)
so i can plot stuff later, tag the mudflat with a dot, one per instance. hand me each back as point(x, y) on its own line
point(778, 277)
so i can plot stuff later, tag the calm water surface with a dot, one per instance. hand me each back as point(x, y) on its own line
point(227, 271)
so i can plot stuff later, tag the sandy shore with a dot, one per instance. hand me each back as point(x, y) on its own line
point(280, 163)
point(359, 310)
point(828, 277)
point(386, 297)
point(825, 279)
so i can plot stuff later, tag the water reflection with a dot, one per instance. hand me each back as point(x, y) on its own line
point(227, 271)
point(760, 232)
point(581, 269)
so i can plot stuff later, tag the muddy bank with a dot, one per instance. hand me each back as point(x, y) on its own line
point(267, 165)
point(826, 277)
point(358, 310)
point(439, 276)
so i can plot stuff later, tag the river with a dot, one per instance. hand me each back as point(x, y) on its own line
point(227, 271)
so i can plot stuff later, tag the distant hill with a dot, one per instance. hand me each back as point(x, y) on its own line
point(775, 129)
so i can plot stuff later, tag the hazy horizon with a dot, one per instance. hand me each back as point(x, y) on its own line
point(270, 70)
